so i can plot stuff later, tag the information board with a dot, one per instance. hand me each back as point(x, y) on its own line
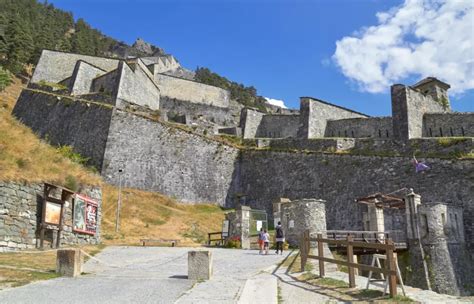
point(85, 215)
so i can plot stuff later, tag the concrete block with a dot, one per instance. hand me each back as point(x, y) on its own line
point(199, 265)
point(69, 262)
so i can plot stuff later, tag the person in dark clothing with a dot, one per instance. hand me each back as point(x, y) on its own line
point(280, 238)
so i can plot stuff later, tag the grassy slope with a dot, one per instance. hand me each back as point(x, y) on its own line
point(24, 157)
point(153, 215)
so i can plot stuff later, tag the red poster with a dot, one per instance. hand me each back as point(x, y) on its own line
point(85, 214)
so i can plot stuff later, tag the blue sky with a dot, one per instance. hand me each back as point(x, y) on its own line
point(286, 49)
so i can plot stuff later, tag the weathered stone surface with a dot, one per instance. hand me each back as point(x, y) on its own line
point(69, 262)
point(199, 265)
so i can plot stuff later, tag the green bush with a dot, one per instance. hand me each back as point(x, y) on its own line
point(67, 151)
point(5, 78)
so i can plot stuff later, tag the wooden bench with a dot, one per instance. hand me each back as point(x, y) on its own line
point(147, 241)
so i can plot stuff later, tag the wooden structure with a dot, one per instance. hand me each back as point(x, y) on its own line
point(53, 202)
point(375, 237)
point(388, 247)
point(218, 241)
point(159, 241)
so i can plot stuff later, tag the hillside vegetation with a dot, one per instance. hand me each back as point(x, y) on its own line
point(24, 157)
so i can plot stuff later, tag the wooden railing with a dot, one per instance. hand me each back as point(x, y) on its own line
point(388, 247)
point(210, 239)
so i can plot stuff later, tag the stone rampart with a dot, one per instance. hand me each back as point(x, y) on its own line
point(158, 157)
point(82, 77)
point(408, 108)
point(55, 66)
point(250, 120)
point(20, 216)
point(137, 86)
point(108, 83)
point(448, 124)
point(315, 113)
point(196, 111)
point(192, 91)
point(374, 127)
point(278, 126)
point(79, 124)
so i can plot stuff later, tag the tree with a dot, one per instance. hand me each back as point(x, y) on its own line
point(5, 78)
point(19, 43)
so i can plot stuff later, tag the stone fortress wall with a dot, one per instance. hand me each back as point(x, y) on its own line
point(448, 124)
point(373, 127)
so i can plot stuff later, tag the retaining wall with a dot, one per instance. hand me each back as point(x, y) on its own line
point(375, 127)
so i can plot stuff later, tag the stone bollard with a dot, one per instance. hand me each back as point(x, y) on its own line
point(199, 265)
point(69, 262)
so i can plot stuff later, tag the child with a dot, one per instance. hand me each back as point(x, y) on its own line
point(266, 240)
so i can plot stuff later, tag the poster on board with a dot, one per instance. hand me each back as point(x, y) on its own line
point(85, 215)
point(52, 213)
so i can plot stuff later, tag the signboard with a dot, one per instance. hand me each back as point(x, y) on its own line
point(85, 215)
point(291, 224)
point(52, 213)
point(225, 228)
point(259, 225)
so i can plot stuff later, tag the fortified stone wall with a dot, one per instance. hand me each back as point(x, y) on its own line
point(442, 236)
point(408, 108)
point(448, 124)
point(108, 84)
point(82, 77)
point(177, 163)
point(81, 125)
point(249, 121)
point(137, 86)
point(375, 127)
point(339, 179)
point(278, 126)
point(195, 111)
point(315, 113)
point(55, 66)
point(20, 215)
point(182, 89)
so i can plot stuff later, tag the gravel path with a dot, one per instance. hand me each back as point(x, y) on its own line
point(147, 275)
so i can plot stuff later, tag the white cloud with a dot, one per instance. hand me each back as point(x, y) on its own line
point(419, 38)
point(276, 102)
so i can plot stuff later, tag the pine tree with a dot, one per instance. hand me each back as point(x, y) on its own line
point(20, 44)
point(5, 78)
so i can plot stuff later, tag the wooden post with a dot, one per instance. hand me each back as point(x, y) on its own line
point(321, 254)
point(302, 251)
point(392, 279)
point(350, 258)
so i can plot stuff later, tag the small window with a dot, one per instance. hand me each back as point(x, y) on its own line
point(352, 132)
point(451, 131)
point(440, 132)
point(345, 133)
point(380, 133)
point(462, 131)
point(431, 133)
point(386, 132)
point(426, 92)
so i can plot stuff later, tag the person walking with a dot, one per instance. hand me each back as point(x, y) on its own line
point(260, 241)
point(280, 238)
point(266, 240)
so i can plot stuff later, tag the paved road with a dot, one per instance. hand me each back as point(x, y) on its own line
point(147, 275)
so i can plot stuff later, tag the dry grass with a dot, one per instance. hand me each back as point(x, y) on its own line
point(24, 157)
point(17, 269)
point(155, 216)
